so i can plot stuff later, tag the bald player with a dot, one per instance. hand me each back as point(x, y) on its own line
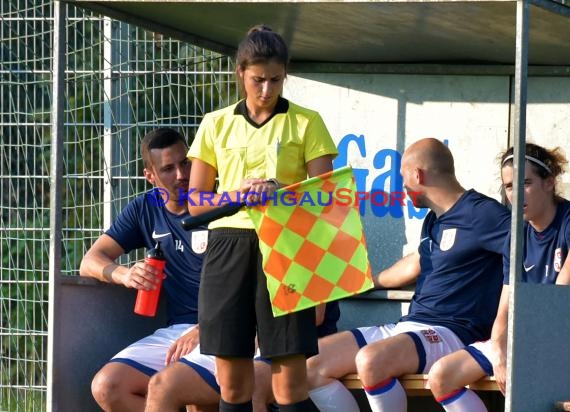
point(458, 273)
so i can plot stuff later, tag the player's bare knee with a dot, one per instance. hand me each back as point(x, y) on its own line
point(317, 372)
point(366, 361)
point(159, 387)
point(437, 378)
point(104, 388)
point(97, 389)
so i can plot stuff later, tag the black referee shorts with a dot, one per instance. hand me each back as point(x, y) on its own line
point(234, 303)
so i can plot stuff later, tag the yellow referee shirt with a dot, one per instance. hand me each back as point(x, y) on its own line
point(279, 148)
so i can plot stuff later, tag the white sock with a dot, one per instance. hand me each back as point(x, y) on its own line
point(387, 396)
point(334, 397)
point(461, 401)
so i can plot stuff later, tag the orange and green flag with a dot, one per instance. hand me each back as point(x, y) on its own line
point(312, 242)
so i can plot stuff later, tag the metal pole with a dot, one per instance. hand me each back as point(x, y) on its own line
point(56, 189)
point(107, 122)
point(520, 100)
point(117, 147)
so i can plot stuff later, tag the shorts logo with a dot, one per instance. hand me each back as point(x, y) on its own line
point(558, 260)
point(447, 239)
point(199, 241)
point(431, 335)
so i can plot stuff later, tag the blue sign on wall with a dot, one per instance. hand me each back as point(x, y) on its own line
point(391, 179)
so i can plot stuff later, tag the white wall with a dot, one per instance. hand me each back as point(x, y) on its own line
point(374, 117)
point(548, 117)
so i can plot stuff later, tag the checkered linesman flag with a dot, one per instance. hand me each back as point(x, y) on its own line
point(313, 251)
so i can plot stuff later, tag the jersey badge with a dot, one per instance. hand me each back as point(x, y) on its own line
point(447, 239)
point(558, 260)
point(199, 241)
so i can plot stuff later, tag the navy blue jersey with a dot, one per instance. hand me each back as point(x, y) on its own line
point(461, 256)
point(140, 225)
point(544, 252)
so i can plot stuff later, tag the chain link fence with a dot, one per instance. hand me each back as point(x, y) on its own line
point(120, 82)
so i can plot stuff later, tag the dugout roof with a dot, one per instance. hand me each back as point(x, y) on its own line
point(374, 32)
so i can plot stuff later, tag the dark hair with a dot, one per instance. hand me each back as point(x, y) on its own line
point(160, 138)
point(544, 162)
point(260, 45)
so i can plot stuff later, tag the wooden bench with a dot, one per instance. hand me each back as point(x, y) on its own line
point(417, 385)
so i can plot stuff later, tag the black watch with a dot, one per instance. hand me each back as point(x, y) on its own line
point(274, 181)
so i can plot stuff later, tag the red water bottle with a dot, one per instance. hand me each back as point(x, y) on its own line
point(147, 300)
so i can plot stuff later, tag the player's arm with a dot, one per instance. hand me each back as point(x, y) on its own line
point(99, 263)
point(402, 273)
point(499, 339)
